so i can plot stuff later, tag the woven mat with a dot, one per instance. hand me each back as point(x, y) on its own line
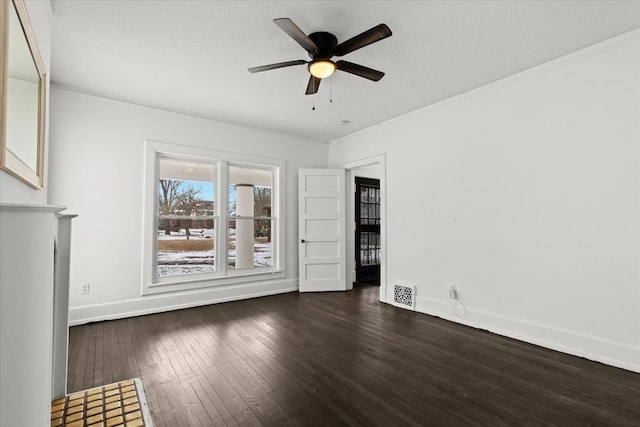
point(121, 404)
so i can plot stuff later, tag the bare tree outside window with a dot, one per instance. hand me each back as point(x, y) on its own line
point(177, 197)
point(262, 201)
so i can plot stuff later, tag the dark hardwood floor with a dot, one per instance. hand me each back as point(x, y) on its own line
point(335, 359)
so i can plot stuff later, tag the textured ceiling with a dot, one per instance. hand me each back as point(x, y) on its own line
point(192, 56)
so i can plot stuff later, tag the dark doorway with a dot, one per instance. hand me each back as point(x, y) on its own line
point(367, 241)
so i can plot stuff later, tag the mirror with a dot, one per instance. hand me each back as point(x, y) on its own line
point(22, 94)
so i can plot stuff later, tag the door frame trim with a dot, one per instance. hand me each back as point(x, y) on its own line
point(351, 168)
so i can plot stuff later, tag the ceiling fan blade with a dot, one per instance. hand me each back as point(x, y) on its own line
point(312, 86)
point(372, 35)
point(359, 70)
point(274, 66)
point(288, 26)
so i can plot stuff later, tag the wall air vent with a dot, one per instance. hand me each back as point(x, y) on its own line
point(404, 296)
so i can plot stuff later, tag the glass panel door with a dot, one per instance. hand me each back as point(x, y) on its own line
point(367, 231)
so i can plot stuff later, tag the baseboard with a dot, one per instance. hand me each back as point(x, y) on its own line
point(607, 352)
point(177, 300)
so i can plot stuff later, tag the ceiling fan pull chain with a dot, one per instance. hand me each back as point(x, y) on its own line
point(313, 96)
point(331, 90)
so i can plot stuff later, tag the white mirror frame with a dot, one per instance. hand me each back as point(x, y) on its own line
point(8, 160)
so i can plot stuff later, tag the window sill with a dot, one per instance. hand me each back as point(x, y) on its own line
point(193, 283)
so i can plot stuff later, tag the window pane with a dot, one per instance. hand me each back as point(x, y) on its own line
point(185, 245)
point(250, 190)
point(185, 187)
point(369, 248)
point(249, 243)
point(262, 246)
point(188, 249)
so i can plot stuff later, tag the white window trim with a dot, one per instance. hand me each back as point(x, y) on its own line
point(222, 276)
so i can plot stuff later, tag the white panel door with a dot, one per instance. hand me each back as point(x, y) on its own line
point(321, 236)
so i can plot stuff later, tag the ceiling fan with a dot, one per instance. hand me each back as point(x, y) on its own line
point(322, 46)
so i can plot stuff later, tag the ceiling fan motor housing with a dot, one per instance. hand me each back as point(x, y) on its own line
point(326, 43)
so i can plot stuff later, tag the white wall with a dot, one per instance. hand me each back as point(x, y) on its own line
point(526, 195)
point(12, 190)
point(96, 170)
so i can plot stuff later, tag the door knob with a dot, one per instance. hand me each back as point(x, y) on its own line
point(302, 241)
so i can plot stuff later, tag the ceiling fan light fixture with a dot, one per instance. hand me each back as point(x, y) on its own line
point(322, 68)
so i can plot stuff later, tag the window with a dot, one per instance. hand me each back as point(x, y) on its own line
point(211, 218)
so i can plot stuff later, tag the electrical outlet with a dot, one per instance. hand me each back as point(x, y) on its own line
point(453, 293)
point(85, 289)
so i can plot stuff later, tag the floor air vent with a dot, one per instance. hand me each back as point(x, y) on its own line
point(404, 296)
